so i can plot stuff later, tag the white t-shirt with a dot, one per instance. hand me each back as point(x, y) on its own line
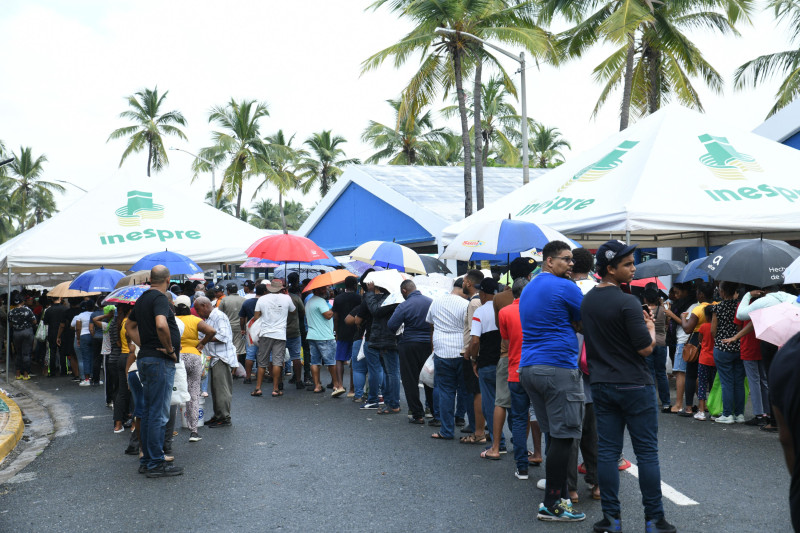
point(585, 285)
point(274, 309)
point(85, 319)
point(483, 320)
point(682, 336)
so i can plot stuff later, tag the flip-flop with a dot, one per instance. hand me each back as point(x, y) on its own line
point(486, 455)
point(473, 439)
point(439, 437)
point(256, 392)
point(275, 394)
point(319, 391)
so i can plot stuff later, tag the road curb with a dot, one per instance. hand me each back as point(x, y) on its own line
point(12, 432)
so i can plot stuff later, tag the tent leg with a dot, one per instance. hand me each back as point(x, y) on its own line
point(628, 237)
point(8, 329)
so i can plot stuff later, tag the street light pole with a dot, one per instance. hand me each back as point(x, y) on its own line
point(209, 163)
point(521, 60)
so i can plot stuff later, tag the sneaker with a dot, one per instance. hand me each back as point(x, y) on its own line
point(110, 405)
point(194, 437)
point(699, 415)
point(380, 400)
point(434, 422)
point(120, 430)
point(658, 526)
point(299, 385)
point(164, 470)
point(428, 413)
point(131, 450)
point(84, 383)
point(755, 421)
point(521, 474)
point(503, 449)
point(142, 469)
point(624, 464)
point(541, 484)
point(460, 422)
point(369, 406)
point(219, 423)
point(739, 419)
point(560, 512)
point(725, 419)
point(608, 524)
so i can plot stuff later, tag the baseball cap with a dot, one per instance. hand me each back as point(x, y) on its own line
point(231, 287)
point(610, 250)
point(183, 299)
point(275, 285)
point(16, 299)
point(488, 285)
point(218, 288)
point(522, 266)
point(249, 284)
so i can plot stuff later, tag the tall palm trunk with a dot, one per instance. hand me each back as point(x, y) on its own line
point(462, 110)
point(487, 135)
point(149, 156)
point(476, 98)
point(239, 198)
point(654, 74)
point(625, 108)
point(283, 215)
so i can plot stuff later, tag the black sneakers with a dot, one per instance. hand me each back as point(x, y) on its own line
point(608, 524)
point(165, 470)
point(658, 526)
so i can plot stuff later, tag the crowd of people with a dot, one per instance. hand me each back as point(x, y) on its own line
point(561, 353)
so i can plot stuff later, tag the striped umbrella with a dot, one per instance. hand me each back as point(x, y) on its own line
point(389, 255)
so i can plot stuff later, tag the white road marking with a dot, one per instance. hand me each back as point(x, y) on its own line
point(666, 491)
point(22, 478)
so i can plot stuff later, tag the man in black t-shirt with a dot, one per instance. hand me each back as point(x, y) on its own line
point(784, 394)
point(54, 317)
point(66, 339)
point(151, 325)
point(618, 337)
point(345, 334)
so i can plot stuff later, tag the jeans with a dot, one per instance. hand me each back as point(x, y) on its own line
point(616, 406)
point(657, 363)
point(759, 390)
point(731, 379)
point(487, 379)
point(97, 359)
point(447, 374)
point(466, 400)
point(157, 376)
point(23, 343)
point(359, 370)
point(373, 359)
point(87, 356)
point(135, 385)
point(391, 360)
point(519, 417)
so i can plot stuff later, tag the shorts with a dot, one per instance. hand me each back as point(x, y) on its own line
point(344, 350)
point(251, 352)
point(502, 396)
point(294, 345)
point(322, 352)
point(678, 364)
point(471, 382)
point(557, 396)
point(276, 347)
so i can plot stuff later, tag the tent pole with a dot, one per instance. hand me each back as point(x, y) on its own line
point(628, 237)
point(8, 329)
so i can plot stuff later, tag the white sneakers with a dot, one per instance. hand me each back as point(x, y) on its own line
point(739, 419)
point(84, 383)
point(726, 419)
point(541, 484)
point(700, 415)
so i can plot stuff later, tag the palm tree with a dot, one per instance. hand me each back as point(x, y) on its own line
point(654, 59)
point(3, 156)
point(43, 205)
point(237, 145)
point(325, 163)
point(449, 150)
point(447, 59)
point(546, 145)
point(150, 125)
point(26, 171)
point(281, 168)
point(409, 142)
point(786, 63)
point(223, 204)
point(264, 215)
point(296, 214)
point(9, 211)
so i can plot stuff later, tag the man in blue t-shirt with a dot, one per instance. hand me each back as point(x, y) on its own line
point(550, 314)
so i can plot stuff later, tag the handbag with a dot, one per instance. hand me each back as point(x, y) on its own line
point(180, 386)
point(691, 352)
point(41, 332)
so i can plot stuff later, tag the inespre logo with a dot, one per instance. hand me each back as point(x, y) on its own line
point(472, 244)
point(140, 208)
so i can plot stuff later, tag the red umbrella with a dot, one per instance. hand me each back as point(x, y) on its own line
point(285, 247)
point(645, 281)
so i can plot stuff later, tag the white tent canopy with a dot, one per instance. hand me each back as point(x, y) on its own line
point(676, 178)
point(119, 222)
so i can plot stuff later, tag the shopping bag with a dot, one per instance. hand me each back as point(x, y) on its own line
point(180, 387)
point(714, 401)
point(426, 374)
point(41, 332)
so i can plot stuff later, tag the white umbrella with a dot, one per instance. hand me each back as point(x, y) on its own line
point(387, 279)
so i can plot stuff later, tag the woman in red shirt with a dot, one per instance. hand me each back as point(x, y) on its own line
point(706, 369)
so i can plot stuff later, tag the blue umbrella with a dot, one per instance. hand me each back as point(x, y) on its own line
point(692, 271)
point(97, 280)
point(359, 267)
point(176, 263)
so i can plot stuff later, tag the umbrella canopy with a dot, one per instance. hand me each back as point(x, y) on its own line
point(776, 324)
point(792, 272)
point(431, 292)
point(658, 267)
point(433, 265)
point(359, 267)
point(757, 262)
point(126, 295)
point(304, 270)
point(97, 280)
point(62, 290)
point(692, 271)
point(176, 263)
point(387, 279)
point(285, 247)
point(329, 278)
point(390, 255)
point(137, 278)
point(645, 281)
point(257, 262)
point(502, 239)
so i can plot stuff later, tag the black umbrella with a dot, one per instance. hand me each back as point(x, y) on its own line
point(757, 262)
point(433, 265)
point(658, 267)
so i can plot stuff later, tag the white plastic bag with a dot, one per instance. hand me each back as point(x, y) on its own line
point(426, 374)
point(180, 387)
point(360, 355)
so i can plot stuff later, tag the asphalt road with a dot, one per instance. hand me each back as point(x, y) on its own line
point(307, 462)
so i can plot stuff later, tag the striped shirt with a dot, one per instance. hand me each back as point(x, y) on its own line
point(448, 314)
point(221, 349)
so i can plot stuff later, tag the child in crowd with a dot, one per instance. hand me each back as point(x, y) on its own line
point(706, 369)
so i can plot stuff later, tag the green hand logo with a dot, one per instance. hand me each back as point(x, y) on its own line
point(140, 205)
point(724, 161)
point(602, 167)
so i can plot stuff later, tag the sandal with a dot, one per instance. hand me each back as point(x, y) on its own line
point(473, 439)
point(534, 462)
point(256, 392)
point(439, 437)
point(319, 391)
point(388, 411)
point(277, 393)
point(485, 455)
point(595, 492)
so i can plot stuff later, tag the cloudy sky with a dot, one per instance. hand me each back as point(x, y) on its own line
point(68, 67)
